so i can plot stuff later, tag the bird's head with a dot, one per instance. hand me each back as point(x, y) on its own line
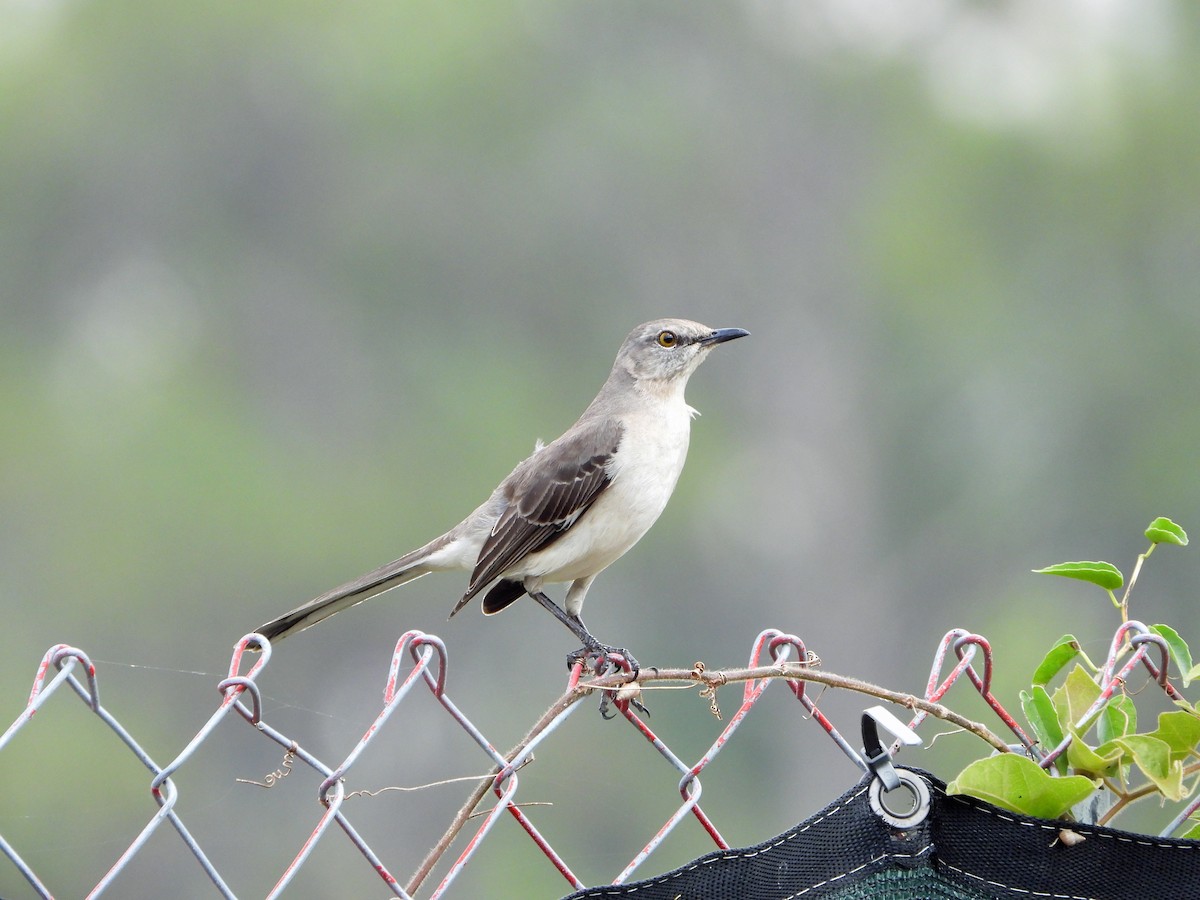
point(669, 350)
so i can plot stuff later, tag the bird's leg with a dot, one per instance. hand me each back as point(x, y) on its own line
point(591, 646)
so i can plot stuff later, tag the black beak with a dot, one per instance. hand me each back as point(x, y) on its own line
point(721, 335)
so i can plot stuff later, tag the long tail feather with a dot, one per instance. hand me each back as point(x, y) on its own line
point(401, 571)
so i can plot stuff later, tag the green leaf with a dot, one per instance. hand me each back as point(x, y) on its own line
point(1164, 531)
point(1101, 762)
point(1178, 649)
point(1106, 575)
point(1194, 832)
point(1017, 784)
point(1043, 719)
point(1075, 697)
point(1117, 719)
point(1180, 731)
point(1153, 757)
point(1065, 650)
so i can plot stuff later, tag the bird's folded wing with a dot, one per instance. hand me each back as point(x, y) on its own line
point(546, 496)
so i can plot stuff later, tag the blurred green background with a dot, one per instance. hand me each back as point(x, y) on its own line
point(286, 288)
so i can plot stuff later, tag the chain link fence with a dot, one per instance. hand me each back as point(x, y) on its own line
point(419, 667)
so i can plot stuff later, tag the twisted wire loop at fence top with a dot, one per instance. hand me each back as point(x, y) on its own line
point(240, 694)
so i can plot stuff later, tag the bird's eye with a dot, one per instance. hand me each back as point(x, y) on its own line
point(667, 339)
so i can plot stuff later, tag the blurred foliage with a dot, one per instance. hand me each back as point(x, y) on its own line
point(286, 288)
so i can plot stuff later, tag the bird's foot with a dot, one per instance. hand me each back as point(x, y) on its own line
point(611, 660)
point(603, 654)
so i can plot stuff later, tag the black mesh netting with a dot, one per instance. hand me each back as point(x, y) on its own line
point(965, 849)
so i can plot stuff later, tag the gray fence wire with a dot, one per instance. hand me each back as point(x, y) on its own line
point(68, 666)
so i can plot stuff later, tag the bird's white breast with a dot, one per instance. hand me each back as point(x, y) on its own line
point(643, 474)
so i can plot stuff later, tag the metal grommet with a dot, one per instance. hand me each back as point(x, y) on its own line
point(891, 806)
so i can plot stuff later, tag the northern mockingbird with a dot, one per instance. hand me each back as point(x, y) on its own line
point(576, 505)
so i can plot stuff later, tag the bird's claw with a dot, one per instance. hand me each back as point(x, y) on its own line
point(605, 659)
point(605, 702)
point(603, 654)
